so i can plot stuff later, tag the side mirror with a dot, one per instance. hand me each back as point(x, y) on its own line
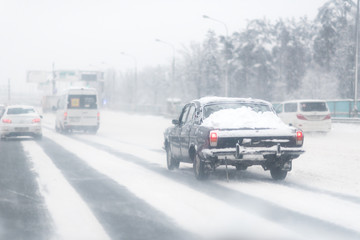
point(175, 121)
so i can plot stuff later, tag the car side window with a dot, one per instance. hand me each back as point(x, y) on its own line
point(191, 114)
point(279, 108)
point(61, 102)
point(184, 114)
point(290, 107)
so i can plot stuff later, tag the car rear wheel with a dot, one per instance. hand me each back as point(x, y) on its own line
point(199, 168)
point(57, 129)
point(241, 167)
point(38, 137)
point(277, 173)
point(171, 162)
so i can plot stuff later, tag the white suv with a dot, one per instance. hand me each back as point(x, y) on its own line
point(307, 115)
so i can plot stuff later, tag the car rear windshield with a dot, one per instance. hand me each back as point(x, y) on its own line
point(13, 111)
point(211, 108)
point(313, 106)
point(82, 102)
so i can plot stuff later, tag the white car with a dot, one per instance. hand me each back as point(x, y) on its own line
point(307, 115)
point(20, 120)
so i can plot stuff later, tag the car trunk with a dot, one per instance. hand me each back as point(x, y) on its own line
point(255, 138)
point(84, 117)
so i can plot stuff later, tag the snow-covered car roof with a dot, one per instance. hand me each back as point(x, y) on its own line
point(78, 89)
point(244, 117)
point(208, 100)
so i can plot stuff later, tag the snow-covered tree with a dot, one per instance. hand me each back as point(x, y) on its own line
point(252, 56)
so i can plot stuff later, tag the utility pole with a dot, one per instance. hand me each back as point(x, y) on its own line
point(355, 110)
point(9, 92)
point(173, 76)
point(53, 79)
point(135, 84)
point(226, 81)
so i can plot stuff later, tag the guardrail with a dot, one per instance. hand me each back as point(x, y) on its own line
point(345, 120)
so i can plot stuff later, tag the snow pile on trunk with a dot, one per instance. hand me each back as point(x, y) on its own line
point(243, 117)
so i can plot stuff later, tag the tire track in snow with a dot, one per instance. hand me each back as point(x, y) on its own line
point(23, 214)
point(72, 219)
point(122, 215)
point(190, 209)
point(290, 218)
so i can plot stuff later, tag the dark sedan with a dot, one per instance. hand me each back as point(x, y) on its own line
point(214, 131)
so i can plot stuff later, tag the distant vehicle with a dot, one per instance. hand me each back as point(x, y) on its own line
point(307, 115)
point(238, 132)
point(2, 109)
point(20, 120)
point(78, 109)
point(48, 103)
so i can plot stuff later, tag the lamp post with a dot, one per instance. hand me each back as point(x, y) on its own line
point(226, 58)
point(173, 62)
point(355, 110)
point(135, 74)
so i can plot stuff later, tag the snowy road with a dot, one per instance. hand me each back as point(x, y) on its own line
point(115, 185)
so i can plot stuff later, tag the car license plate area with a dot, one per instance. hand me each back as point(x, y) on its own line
point(21, 129)
point(315, 117)
point(74, 119)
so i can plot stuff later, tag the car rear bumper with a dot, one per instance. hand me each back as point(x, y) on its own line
point(314, 126)
point(19, 130)
point(240, 153)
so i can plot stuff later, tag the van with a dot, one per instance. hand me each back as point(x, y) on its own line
point(307, 115)
point(78, 109)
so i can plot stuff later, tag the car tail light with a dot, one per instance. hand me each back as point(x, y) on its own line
point(299, 138)
point(213, 139)
point(301, 117)
point(6, 120)
point(98, 116)
point(36, 120)
point(65, 115)
point(327, 117)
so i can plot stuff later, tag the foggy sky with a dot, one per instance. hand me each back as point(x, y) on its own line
point(81, 34)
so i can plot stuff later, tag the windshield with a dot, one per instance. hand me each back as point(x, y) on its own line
point(313, 107)
point(14, 111)
point(82, 101)
point(210, 109)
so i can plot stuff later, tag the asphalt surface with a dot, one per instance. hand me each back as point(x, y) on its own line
point(23, 214)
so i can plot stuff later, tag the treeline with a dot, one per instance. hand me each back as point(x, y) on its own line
point(280, 60)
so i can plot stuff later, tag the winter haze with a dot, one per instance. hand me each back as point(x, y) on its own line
point(105, 164)
point(92, 34)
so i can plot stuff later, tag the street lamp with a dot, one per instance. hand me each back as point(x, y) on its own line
point(226, 60)
point(173, 62)
point(135, 73)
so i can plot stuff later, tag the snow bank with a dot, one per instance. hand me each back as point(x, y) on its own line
point(243, 117)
